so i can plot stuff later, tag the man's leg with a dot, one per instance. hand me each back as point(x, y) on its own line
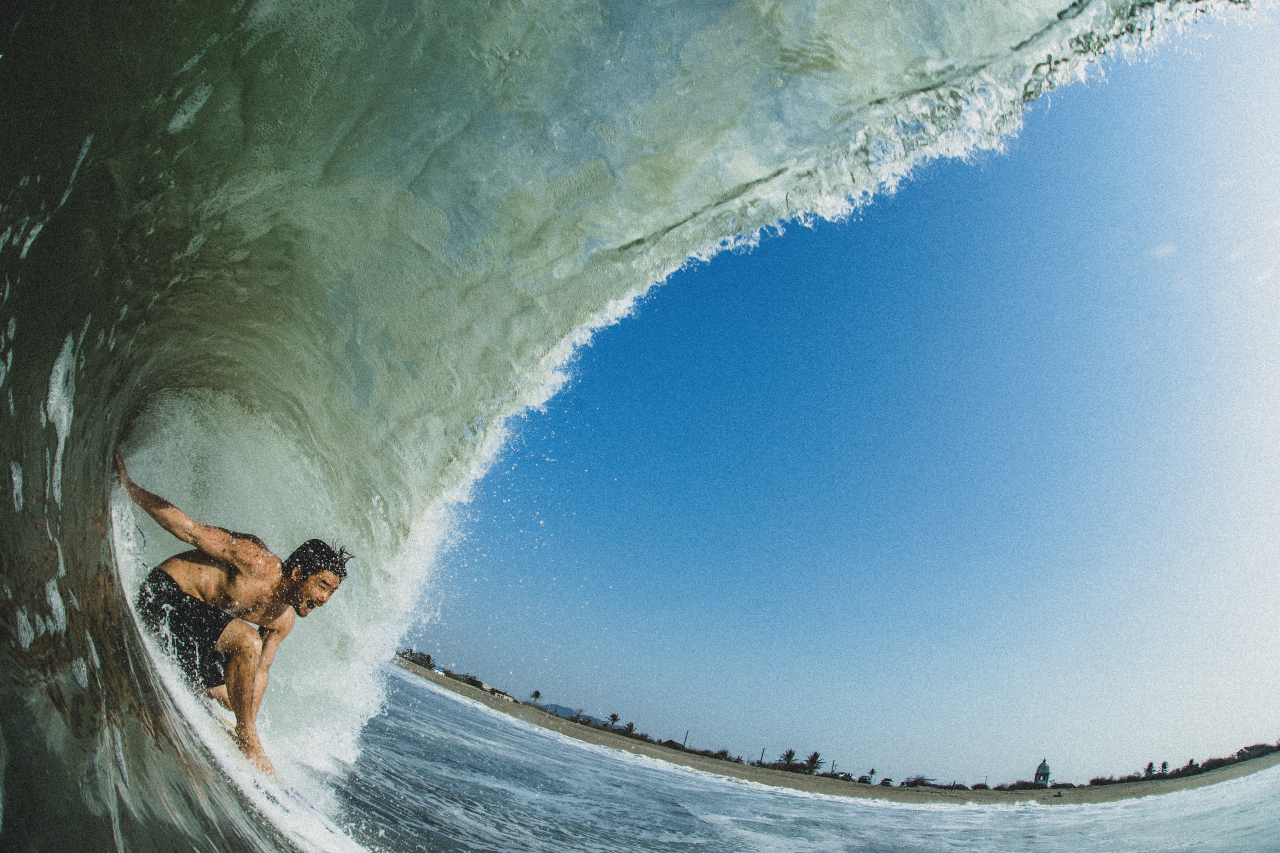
point(242, 643)
point(219, 693)
point(259, 682)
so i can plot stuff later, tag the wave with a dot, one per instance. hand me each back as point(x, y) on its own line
point(303, 260)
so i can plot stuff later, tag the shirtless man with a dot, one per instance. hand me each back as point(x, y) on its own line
point(223, 609)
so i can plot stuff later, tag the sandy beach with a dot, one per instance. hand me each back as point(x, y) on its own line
point(838, 787)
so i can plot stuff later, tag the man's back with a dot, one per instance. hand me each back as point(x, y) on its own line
point(248, 595)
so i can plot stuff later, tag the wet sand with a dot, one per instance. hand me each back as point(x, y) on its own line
point(839, 787)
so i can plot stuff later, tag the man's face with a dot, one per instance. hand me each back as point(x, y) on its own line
point(315, 591)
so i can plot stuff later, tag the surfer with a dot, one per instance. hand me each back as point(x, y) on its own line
point(223, 609)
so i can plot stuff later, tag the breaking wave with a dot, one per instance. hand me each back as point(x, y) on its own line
point(302, 260)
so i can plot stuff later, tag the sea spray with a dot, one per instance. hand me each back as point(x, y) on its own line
point(301, 261)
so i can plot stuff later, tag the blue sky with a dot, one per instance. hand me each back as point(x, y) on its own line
point(986, 474)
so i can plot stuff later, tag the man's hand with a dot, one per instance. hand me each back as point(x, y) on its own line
point(123, 473)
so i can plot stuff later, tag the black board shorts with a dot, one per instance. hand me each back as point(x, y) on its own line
point(187, 627)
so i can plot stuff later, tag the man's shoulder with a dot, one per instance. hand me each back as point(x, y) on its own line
point(248, 537)
point(252, 554)
point(283, 623)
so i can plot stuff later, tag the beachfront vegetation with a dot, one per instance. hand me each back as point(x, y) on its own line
point(1022, 785)
point(1191, 768)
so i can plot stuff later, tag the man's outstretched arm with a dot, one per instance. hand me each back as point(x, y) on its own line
point(243, 553)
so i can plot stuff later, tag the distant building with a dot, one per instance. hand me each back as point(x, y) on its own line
point(1042, 773)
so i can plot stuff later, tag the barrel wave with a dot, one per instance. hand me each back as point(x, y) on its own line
point(301, 261)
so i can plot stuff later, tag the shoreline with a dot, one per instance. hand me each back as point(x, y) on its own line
point(839, 787)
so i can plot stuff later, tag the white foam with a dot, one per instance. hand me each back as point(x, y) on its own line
point(58, 621)
point(186, 114)
point(22, 627)
point(80, 672)
point(60, 407)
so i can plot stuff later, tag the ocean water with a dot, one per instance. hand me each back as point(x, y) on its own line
point(440, 772)
point(302, 260)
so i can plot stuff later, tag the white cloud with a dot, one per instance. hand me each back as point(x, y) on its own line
point(1163, 250)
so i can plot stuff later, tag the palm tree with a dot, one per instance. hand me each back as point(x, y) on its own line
point(787, 759)
point(629, 729)
point(613, 721)
point(535, 696)
point(813, 763)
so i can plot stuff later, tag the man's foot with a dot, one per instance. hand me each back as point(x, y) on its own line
point(252, 749)
point(261, 762)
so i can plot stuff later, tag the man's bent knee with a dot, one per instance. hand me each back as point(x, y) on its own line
point(240, 638)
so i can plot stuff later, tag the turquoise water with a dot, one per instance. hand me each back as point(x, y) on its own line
point(301, 261)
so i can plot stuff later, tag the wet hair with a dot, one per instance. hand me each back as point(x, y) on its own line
point(314, 556)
